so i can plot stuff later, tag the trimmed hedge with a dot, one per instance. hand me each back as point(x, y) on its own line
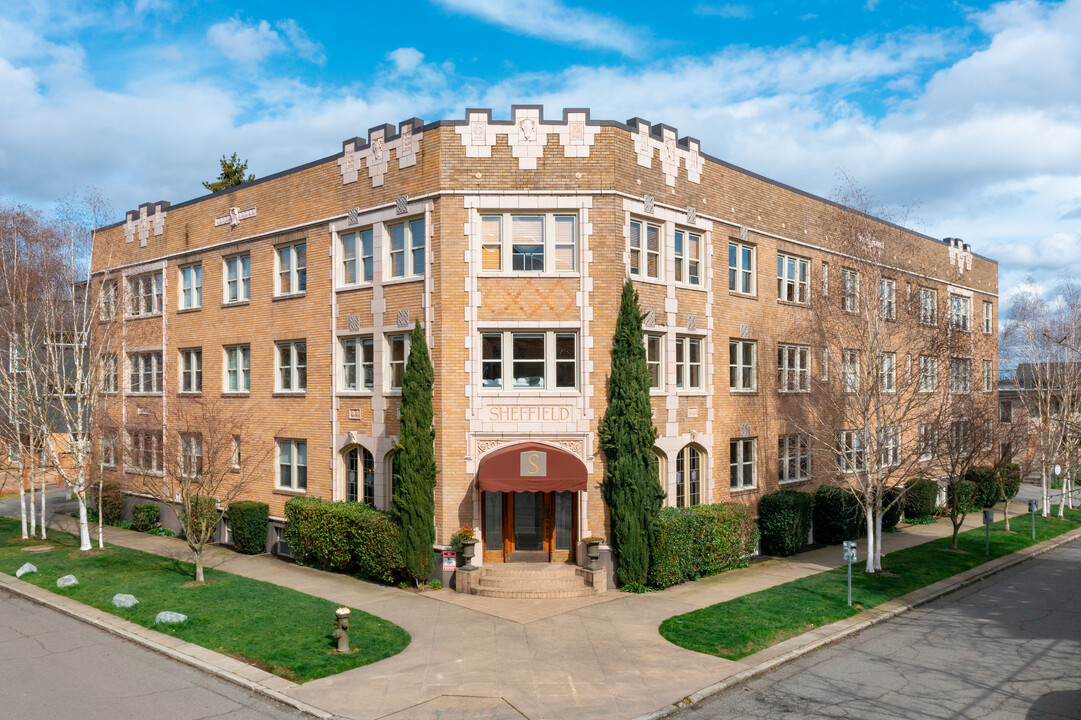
point(112, 502)
point(343, 537)
point(250, 523)
point(893, 512)
point(985, 482)
point(921, 498)
point(837, 515)
point(962, 496)
point(144, 516)
point(784, 520)
point(694, 542)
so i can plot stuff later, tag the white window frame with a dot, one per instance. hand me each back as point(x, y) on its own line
point(928, 310)
point(110, 440)
point(550, 361)
point(501, 244)
point(236, 366)
point(928, 441)
point(793, 279)
point(191, 454)
point(110, 299)
point(390, 363)
point(191, 286)
point(928, 381)
point(738, 463)
point(295, 275)
point(988, 317)
point(362, 369)
point(850, 290)
point(357, 257)
point(296, 372)
point(409, 250)
point(793, 368)
point(740, 254)
point(988, 376)
point(887, 298)
point(825, 279)
point(110, 374)
point(156, 372)
point(742, 376)
point(960, 375)
point(146, 292)
point(689, 479)
point(825, 365)
point(960, 312)
point(689, 372)
point(655, 356)
point(641, 255)
point(191, 370)
point(1005, 411)
point(793, 453)
point(688, 267)
point(236, 276)
point(851, 451)
point(889, 446)
point(850, 370)
point(291, 453)
point(887, 371)
point(145, 443)
point(236, 458)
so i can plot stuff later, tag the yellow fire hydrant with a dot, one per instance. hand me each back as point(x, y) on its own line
point(341, 619)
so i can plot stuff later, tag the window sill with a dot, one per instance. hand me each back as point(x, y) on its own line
point(742, 490)
point(236, 393)
point(690, 286)
point(528, 392)
point(143, 317)
point(190, 393)
point(745, 296)
point(403, 280)
point(800, 481)
point(789, 392)
point(236, 303)
point(289, 296)
point(354, 287)
point(793, 303)
point(747, 393)
point(356, 393)
point(649, 280)
point(518, 274)
point(136, 394)
point(290, 492)
point(185, 311)
point(289, 394)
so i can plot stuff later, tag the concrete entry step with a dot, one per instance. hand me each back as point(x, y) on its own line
point(531, 581)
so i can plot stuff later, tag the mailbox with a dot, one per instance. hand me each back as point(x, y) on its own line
point(989, 517)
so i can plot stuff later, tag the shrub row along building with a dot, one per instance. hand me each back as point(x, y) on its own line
point(509, 242)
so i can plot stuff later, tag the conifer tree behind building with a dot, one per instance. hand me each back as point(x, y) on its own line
point(631, 486)
point(413, 504)
point(231, 175)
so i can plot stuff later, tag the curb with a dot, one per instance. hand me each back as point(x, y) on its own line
point(870, 618)
point(76, 610)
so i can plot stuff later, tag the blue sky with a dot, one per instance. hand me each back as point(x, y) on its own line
point(964, 119)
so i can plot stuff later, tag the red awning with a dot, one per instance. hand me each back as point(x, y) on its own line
point(531, 467)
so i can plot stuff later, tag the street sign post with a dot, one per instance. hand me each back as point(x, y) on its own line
point(849, 547)
point(988, 521)
point(1033, 506)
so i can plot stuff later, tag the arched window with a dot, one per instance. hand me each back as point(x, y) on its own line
point(360, 475)
point(688, 473)
point(660, 468)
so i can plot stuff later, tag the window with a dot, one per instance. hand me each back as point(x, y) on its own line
point(688, 363)
point(887, 296)
point(850, 451)
point(293, 465)
point(928, 306)
point(237, 278)
point(1005, 411)
point(988, 376)
point(191, 370)
point(988, 434)
point(292, 373)
point(889, 446)
point(742, 465)
point(928, 373)
point(191, 454)
point(236, 452)
point(688, 472)
point(928, 441)
point(850, 370)
point(110, 374)
point(687, 251)
point(191, 286)
point(110, 293)
point(406, 248)
point(741, 268)
point(358, 363)
point(145, 450)
point(238, 368)
point(741, 365)
point(537, 361)
point(887, 371)
point(530, 239)
point(793, 278)
point(645, 253)
point(850, 290)
point(960, 436)
point(145, 292)
point(988, 317)
point(793, 458)
point(960, 375)
point(793, 368)
point(360, 476)
point(825, 279)
point(398, 351)
point(357, 257)
point(655, 360)
point(825, 364)
point(960, 312)
point(292, 262)
point(146, 372)
point(109, 441)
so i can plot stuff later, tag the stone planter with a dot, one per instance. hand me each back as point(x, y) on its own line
point(469, 551)
point(593, 552)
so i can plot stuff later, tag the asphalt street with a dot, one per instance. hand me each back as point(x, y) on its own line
point(1007, 647)
point(52, 666)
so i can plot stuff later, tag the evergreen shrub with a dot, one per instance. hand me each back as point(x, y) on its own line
point(962, 496)
point(144, 516)
point(921, 498)
point(250, 523)
point(784, 519)
point(986, 488)
point(112, 501)
point(837, 515)
point(344, 537)
point(694, 542)
point(894, 508)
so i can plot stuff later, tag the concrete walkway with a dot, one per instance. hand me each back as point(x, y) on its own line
point(601, 658)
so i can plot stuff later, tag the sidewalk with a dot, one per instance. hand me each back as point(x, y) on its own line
point(505, 659)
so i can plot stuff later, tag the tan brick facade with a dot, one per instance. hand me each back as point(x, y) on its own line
point(451, 175)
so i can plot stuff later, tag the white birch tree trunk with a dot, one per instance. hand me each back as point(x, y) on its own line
point(22, 502)
point(101, 520)
point(878, 539)
point(33, 509)
point(1045, 495)
point(869, 515)
point(43, 523)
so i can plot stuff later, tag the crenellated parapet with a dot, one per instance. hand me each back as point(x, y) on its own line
point(139, 222)
point(375, 153)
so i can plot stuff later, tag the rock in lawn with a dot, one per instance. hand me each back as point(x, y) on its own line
point(123, 600)
point(167, 616)
point(26, 568)
point(67, 581)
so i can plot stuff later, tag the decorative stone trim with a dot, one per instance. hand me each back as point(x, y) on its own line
point(960, 254)
point(376, 152)
point(673, 152)
point(527, 134)
point(234, 217)
point(149, 215)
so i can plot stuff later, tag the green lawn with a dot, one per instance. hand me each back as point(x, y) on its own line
point(280, 630)
point(743, 626)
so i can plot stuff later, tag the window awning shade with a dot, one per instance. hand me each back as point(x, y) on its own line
point(531, 467)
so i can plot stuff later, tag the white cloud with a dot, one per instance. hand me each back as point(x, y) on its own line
point(300, 41)
point(552, 20)
point(244, 43)
point(727, 10)
point(406, 60)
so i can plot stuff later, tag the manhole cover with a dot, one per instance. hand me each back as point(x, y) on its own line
point(39, 548)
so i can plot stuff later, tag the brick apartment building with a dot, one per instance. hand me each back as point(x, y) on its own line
point(509, 241)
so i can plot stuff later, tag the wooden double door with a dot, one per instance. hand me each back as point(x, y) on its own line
point(529, 526)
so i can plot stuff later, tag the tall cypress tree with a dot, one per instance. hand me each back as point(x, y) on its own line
point(631, 487)
point(413, 505)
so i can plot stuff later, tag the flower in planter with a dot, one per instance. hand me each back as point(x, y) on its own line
point(465, 533)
